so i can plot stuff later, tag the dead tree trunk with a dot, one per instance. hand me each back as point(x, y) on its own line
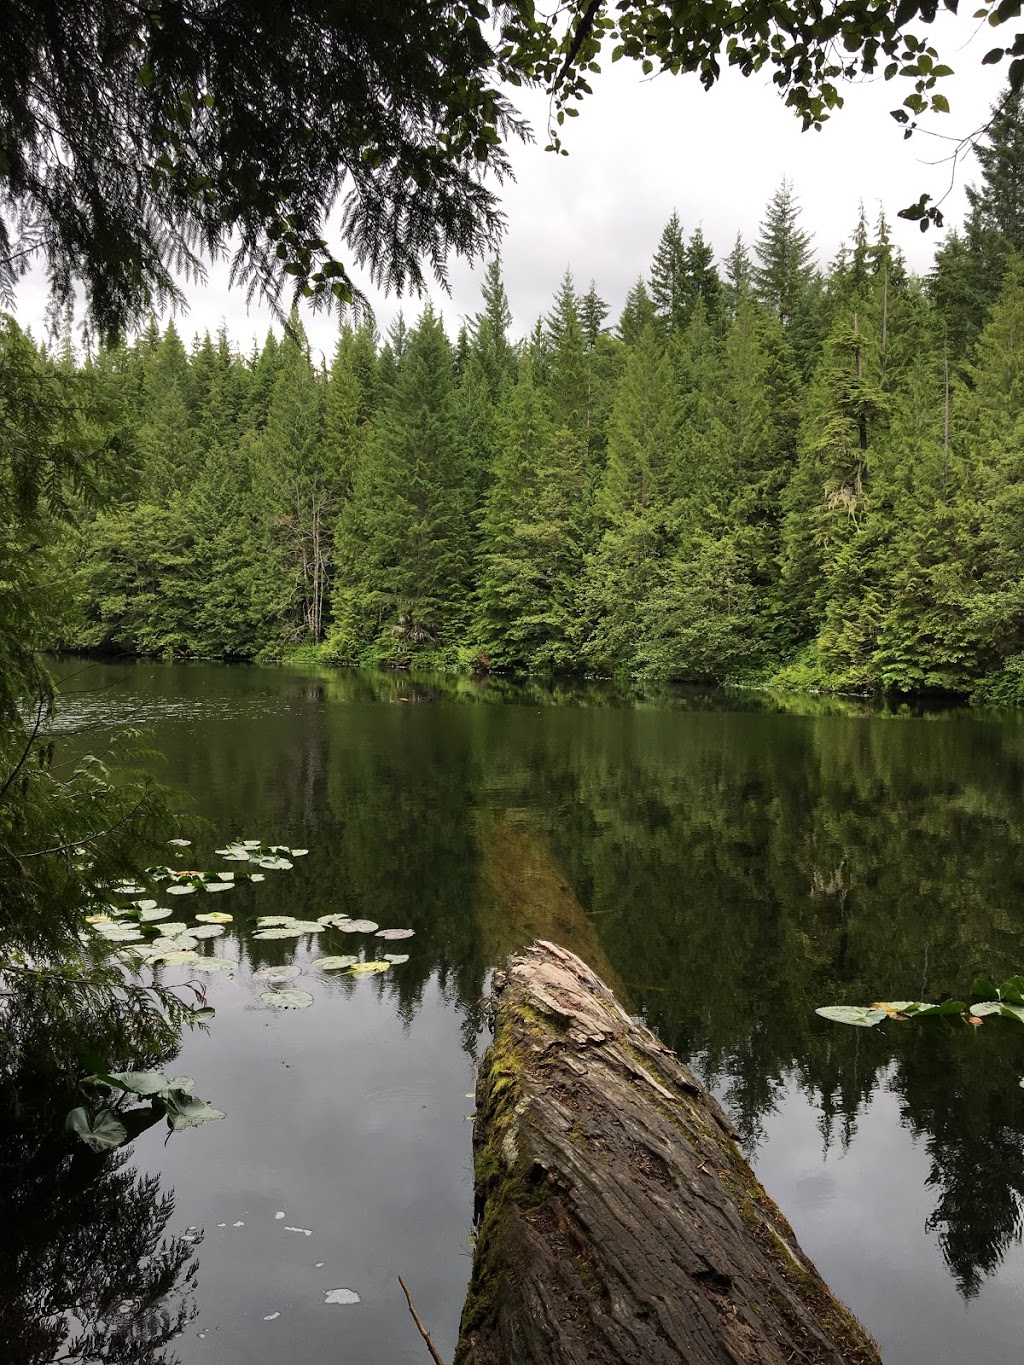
point(617, 1219)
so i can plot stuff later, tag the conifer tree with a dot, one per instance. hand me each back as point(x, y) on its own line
point(489, 330)
point(670, 287)
point(702, 278)
point(404, 547)
point(638, 312)
point(784, 262)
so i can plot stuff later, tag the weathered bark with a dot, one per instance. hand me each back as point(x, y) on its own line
point(618, 1220)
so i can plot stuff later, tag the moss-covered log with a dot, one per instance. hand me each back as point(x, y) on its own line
point(617, 1219)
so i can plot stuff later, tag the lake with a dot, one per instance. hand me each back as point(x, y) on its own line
point(727, 861)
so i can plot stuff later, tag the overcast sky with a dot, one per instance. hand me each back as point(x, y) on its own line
point(643, 147)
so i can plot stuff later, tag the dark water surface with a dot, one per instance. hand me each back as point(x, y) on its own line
point(730, 862)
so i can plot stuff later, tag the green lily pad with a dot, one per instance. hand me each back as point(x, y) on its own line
point(274, 921)
point(118, 933)
point(151, 916)
point(180, 843)
point(186, 1111)
point(334, 921)
point(181, 889)
point(275, 864)
point(214, 917)
point(861, 1015)
point(334, 964)
point(144, 905)
point(359, 926)
point(284, 931)
point(288, 999)
point(213, 964)
point(394, 933)
point(396, 959)
point(176, 957)
point(367, 968)
point(102, 1133)
point(206, 931)
point(214, 887)
point(288, 973)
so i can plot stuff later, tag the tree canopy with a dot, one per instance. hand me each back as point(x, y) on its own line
point(137, 141)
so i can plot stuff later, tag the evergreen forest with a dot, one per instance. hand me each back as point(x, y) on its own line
point(765, 469)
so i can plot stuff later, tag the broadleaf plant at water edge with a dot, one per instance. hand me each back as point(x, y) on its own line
point(988, 1001)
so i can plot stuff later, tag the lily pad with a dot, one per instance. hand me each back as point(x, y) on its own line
point(288, 973)
point(275, 864)
point(214, 917)
point(298, 852)
point(257, 877)
point(251, 843)
point(181, 889)
point(334, 964)
point(155, 913)
point(284, 931)
point(180, 843)
point(213, 964)
point(206, 931)
point(359, 926)
point(861, 1015)
point(289, 999)
point(98, 919)
point(218, 886)
point(176, 957)
point(333, 921)
point(380, 964)
point(118, 933)
point(141, 1082)
point(145, 905)
point(102, 1133)
point(273, 921)
point(186, 1111)
point(396, 959)
point(394, 933)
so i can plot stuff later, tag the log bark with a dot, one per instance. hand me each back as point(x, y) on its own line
point(617, 1220)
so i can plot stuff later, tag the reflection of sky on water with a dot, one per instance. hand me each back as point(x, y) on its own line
point(352, 1123)
point(875, 1194)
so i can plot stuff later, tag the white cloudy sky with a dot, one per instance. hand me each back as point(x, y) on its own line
point(643, 147)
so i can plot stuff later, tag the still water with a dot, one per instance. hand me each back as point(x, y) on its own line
point(727, 862)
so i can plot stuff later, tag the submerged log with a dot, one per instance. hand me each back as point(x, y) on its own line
point(617, 1220)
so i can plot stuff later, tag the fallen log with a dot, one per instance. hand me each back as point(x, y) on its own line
point(617, 1220)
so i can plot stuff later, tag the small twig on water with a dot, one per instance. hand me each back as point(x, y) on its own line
point(416, 1319)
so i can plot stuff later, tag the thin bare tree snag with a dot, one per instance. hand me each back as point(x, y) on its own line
point(419, 1324)
point(617, 1219)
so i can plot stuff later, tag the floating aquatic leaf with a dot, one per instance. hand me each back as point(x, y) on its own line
point(213, 964)
point(277, 973)
point(275, 864)
point(333, 964)
point(156, 913)
point(257, 877)
point(166, 943)
point(145, 905)
point(284, 931)
point(274, 921)
point(225, 876)
point(396, 959)
point(341, 1296)
point(102, 1133)
point(218, 886)
point(860, 1015)
point(395, 933)
point(173, 927)
point(181, 889)
point(186, 1111)
point(207, 931)
point(118, 933)
point(894, 1007)
point(251, 843)
point(214, 917)
point(175, 957)
point(308, 926)
point(180, 843)
point(366, 968)
point(288, 999)
point(359, 926)
point(298, 852)
point(140, 1082)
point(333, 921)
point(920, 1010)
point(97, 919)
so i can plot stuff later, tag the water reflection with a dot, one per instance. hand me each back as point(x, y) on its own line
point(87, 1268)
point(731, 861)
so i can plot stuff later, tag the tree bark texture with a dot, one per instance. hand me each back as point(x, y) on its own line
point(617, 1218)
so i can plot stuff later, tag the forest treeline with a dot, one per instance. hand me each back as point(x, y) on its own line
point(760, 470)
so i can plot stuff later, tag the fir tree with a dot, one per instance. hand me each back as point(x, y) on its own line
point(784, 262)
